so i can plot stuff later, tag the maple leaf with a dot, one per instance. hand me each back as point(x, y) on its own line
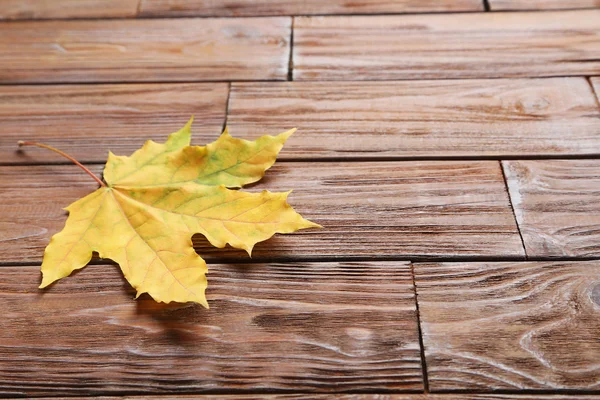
point(144, 216)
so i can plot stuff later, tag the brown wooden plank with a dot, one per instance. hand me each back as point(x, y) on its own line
point(447, 46)
point(42, 9)
point(345, 120)
point(88, 120)
point(556, 205)
point(541, 4)
point(145, 50)
point(596, 87)
point(324, 327)
point(452, 118)
point(237, 8)
point(377, 210)
point(489, 326)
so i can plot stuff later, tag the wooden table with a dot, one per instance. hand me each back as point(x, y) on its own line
point(450, 148)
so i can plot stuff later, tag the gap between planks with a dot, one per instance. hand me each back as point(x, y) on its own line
point(593, 87)
point(316, 260)
point(290, 75)
point(227, 101)
point(512, 207)
point(399, 159)
point(420, 331)
point(258, 80)
point(357, 395)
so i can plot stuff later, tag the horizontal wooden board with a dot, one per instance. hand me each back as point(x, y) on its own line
point(510, 326)
point(145, 50)
point(447, 46)
point(452, 118)
point(556, 205)
point(237, 8)
point(274, 327)
point(377, 210)
point(87, 120)
point(541, 4)
point(346, 120)
point(41, 9)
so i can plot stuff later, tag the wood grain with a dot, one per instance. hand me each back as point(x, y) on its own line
point(447, 46)
point(541, 4)
point(556, 205)
point(596, 86)
point(88, 120)
point(237, 8)
point(376, 210)
point(324, 327)
point(144, 50)
point(42, 9)
point(453, 118)
point(510, 326)
point(344, 120)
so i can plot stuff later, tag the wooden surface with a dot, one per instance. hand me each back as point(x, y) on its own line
point(510, 325)
point(47, 9)
point(316, 328)
point(541, 4)
point(237, 8)
point(376, 210)
point(447, 46)
point(145, 50)
point(516, 117)
point(43, 9)
point(483, 142)
point(87, 121)
point(556, 205)
point(472, 118)
point(596, 86)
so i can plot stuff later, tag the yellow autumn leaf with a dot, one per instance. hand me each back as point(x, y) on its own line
point(227, 161)
point(152, 203)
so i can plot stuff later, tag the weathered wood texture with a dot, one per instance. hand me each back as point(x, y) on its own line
point(556, 205)
point(447, 46)
point(510, 325)
point(422, 118)
point(88, 120)
point(379, 210)
point(596, 85)
point(145, 50)
point(345, 120)
point(236, 8)
point(41, 9)
point(308, 327)
point(541, 4)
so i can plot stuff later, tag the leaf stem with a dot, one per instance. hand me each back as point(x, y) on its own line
point(65, 155)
